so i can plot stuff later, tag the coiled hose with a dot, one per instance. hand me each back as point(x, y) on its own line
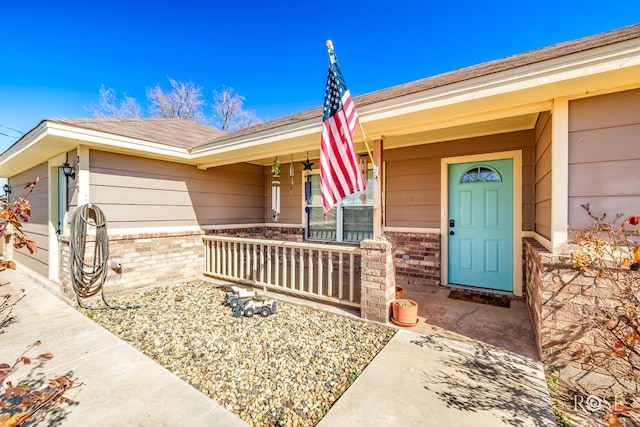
point(88, 273)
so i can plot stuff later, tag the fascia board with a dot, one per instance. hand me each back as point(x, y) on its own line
point(91, 138)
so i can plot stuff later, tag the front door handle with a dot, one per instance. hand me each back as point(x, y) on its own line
point(451, 233)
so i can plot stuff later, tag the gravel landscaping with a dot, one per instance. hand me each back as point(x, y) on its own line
point(285, 369)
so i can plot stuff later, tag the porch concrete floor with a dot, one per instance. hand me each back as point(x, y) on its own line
point(507, 328)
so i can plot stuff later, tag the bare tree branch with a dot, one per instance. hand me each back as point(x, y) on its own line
point(228, 112)
point(108, 105)
point(184, 100)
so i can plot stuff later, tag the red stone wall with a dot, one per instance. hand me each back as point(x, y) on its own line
point(285, 234)
point(533, 274)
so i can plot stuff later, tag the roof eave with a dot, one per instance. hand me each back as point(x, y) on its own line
point(30, 150)
point(487, 97)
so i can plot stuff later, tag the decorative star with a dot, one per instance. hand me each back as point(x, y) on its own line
point(307, 165)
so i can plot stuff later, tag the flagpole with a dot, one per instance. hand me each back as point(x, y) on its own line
point(364, 135)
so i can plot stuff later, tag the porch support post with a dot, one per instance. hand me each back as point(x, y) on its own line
point(559, 172)
point(377, 189)
point(377, 279)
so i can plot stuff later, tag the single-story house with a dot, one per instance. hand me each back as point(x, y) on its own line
point(480, 176)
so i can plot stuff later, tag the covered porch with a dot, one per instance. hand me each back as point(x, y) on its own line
point(514, 109)
point(408, 244)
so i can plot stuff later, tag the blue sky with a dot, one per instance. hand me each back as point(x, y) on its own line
point(55, 55)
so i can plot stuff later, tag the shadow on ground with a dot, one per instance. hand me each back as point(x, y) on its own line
point(477, 377)
point(34, 378)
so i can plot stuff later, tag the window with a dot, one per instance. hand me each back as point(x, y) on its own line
point(350, 220)
point(480, 174)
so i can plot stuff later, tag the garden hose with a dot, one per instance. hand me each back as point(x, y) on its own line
point(88, 273)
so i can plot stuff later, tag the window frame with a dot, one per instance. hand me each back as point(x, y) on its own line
point(339, 206)
point(480, 179)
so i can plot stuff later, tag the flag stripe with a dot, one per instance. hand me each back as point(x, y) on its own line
point(342, 165)
point(339, 170)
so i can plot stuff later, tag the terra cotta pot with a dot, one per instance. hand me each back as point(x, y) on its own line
point(404, 312)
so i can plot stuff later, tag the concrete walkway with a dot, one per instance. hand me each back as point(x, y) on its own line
point(440, 378)
point(427, 378)
point(122, 387)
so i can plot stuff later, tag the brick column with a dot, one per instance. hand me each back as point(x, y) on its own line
point(377, 279)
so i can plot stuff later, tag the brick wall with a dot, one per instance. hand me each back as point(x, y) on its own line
point(245, 232)
point(288, 234)
point(561, 301)
point(285, 234)
point(147, 259)
point(417, 258)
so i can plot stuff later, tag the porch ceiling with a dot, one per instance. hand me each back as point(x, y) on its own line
point(396, 132)
point(402, 139)
point(491, 127)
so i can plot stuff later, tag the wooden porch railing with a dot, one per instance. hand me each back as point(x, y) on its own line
point(325, 272)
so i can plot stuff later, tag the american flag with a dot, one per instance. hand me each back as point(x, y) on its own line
point(339, 171)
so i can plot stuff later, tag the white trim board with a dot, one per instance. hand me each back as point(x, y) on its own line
point(411, 230)
point(258, 224)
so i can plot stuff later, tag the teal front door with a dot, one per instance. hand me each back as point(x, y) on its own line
point(480, 224)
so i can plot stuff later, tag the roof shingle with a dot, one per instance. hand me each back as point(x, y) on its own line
point(484, 69)
point(173, 132)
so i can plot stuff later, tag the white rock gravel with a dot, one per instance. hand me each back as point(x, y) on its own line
point(283, 370)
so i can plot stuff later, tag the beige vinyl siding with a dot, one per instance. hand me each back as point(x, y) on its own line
point(37, 227)
point(604, 156)
point(543, 175)
point(290, 201)
point(413, 177)
point(138, 192)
